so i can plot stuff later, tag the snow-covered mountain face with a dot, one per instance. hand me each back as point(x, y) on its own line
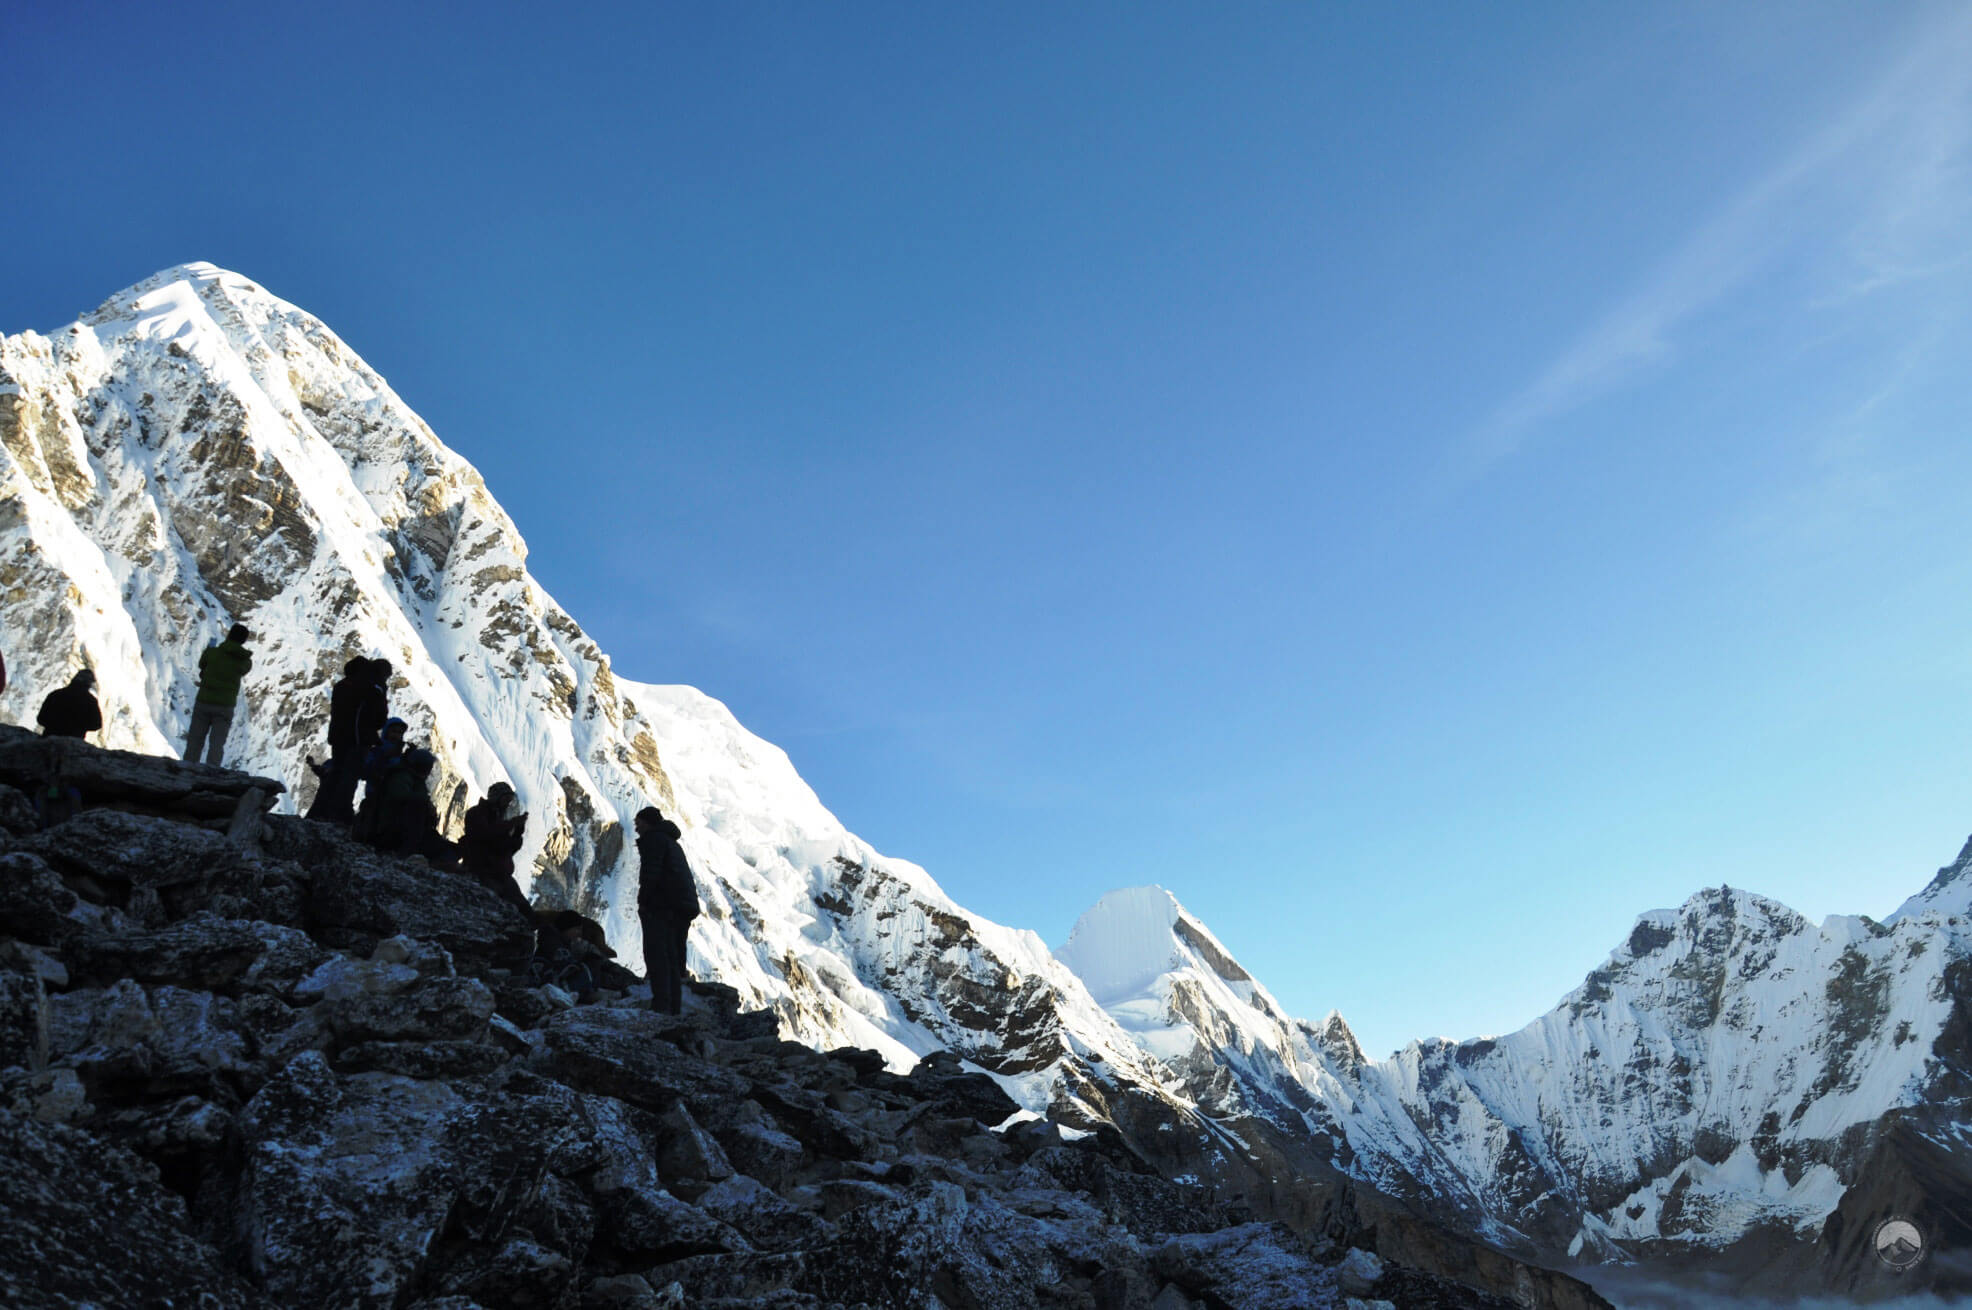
point(1721, 1081)
point(198, 452)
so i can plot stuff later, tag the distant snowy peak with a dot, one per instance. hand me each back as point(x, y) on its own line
point(1950, 893)
point(1134, 935)
point(1179, 992)
point(1124, 942)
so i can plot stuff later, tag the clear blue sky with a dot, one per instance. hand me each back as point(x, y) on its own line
point(1423, 483)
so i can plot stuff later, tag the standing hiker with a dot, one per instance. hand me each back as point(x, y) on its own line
point(667, 902)
point(488, 844)
point(72, 711)
point(357, 710)
point(220, 669)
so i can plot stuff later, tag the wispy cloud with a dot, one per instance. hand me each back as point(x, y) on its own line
point(1890, 169)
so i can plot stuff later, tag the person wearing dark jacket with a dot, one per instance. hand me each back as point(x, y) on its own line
point(72, 711)
point(667, 902)
point(488, 844)
point(385, 756)
point(406, 820)
point(221, 668)
point(357, 711)
point(390, 747)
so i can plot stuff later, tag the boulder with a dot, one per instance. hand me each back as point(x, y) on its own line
point(17, 812)
point(156, 869)
point(689, 1157)
point(357, 897)
point(422, 1059)
point(157, 784)
point(1261, 1266)
point(620, 1053)
point(35, 905)
point(23, 1021)
point(1359, 1272)
point(755, 1143)
point(130, 1042)
point(345, 1184)
point(83, 1221)
point(341, 977)
point(433, 1009)
point(767, 1220)
point(202, 951)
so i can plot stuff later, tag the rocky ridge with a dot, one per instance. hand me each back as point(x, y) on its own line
point(266, 1066)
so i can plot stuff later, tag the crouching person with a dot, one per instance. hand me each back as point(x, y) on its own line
point(406, 820)
point(667, 902)
point(488, 845)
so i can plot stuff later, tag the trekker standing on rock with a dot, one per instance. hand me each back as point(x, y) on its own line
point(357, 710)
point(487, 847)
point(667, 902)
point(72, 711)
point(220, 669)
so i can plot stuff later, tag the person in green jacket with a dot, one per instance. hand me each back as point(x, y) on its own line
point(220, 669)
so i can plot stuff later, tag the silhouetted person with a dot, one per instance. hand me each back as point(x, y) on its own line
point(357, 711)
point(488, 844)
point(667, 902)
point(386, 755)
point(568, 955)
point(220, 669)
point(406, 820)
point(72, 711)
point(389, 748)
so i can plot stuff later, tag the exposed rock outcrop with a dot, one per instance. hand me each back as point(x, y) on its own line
point(292, 1072)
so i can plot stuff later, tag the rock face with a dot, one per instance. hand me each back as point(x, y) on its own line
point(1736, 1090)
point(286, 1084)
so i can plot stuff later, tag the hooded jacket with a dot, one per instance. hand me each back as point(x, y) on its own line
point(666, 886)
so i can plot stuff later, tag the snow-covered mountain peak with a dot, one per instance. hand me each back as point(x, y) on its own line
point(1947, 894)
point(1179, 992)
point(1124, 942)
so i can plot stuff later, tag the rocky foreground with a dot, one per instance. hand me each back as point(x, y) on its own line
point(245, 1062)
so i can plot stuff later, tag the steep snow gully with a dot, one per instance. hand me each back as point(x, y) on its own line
point(197, 451)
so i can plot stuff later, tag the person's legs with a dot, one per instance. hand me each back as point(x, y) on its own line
point(335, 799)
point(679, 931)
point(195, 734)
point(662, 964)
point(220, 721)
